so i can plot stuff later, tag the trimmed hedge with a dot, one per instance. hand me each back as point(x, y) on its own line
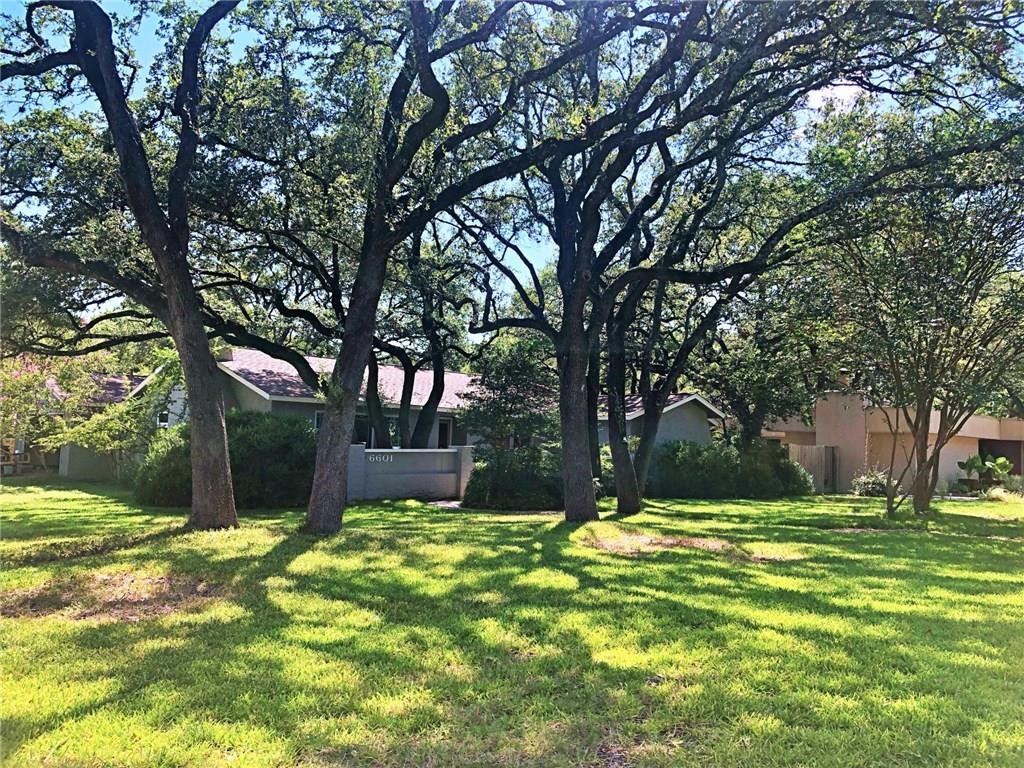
point(272, 461)
point(685, 470)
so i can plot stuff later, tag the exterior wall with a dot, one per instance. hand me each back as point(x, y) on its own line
point(957, 449)
point(243, 397)
point(78, 463)
point(799, 438)
point(429, 473)
point(840, 421)
point(684, 422)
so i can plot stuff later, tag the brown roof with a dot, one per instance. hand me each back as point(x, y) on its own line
point(279, 379)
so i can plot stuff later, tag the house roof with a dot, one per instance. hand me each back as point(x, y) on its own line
point(278, 380)
point(635, 404)
point(110, 389)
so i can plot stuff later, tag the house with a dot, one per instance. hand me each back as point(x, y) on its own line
point(254, 381)
point(687, 416)
point(860, 438)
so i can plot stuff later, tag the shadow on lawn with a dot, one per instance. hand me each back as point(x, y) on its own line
point(439, 632)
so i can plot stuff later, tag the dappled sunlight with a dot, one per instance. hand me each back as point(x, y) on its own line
point(419, 636)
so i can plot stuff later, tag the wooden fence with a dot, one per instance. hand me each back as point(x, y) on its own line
point(821, 461)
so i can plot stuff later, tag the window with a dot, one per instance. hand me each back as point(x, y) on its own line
point(318, 419)
point(163, 419)
point(444, 433)
point(361, 433)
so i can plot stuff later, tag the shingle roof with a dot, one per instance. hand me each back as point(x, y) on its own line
point(109, 388)
point(635, 404)
point(280, 379)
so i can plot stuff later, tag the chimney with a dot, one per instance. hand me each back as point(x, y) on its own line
point(843, 379)
point(224, 355)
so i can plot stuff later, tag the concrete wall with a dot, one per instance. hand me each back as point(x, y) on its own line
point(78, 463)
point(428, 473)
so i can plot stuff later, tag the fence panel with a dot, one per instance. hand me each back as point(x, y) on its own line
point(821, 461)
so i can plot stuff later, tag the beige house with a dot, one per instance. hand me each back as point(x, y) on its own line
point(862, 439)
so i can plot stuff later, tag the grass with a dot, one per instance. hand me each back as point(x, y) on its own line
point(431, 637)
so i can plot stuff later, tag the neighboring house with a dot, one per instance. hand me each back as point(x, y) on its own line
point(862, 439)
point(686, 416)
point(254, 381)
point(80, 463)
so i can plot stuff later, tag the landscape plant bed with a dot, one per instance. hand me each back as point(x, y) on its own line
point(429, 636)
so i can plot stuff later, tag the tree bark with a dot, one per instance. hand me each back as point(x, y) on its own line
point(922, 492)
point(577, 478)
point(627, 491)
point(593, 402)
point(374, 409)
point(330, 478)
point(428, 413)
point(650, 421)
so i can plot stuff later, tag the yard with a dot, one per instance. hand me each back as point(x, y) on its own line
point(696, 633)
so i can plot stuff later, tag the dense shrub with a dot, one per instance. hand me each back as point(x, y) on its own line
point(871, 483)
point(527, 478)
point(1014, 483)
point(718, 470)
point(272, 461)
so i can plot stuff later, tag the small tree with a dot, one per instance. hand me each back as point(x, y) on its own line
point(933, 301)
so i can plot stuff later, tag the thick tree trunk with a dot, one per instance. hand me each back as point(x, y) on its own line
point(213, 498)
point(374, 409)
point(428, 413)
point(577, 478)
point(330, 479)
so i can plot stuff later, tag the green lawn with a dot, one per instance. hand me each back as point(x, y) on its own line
point(695, 633)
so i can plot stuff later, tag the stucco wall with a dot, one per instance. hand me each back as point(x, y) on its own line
point(839, 420)
point(439, 473)
point(957, 449)
point(684, 422)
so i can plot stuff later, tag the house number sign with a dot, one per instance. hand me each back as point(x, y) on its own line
point(379, 458)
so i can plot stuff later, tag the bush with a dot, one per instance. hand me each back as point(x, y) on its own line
point(1014, 483)
point(871, 483)
point(999, 493)
point(717, 470)
point(272, 462)
point(527, 478)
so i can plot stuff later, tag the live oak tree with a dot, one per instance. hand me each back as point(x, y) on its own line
point(709, 93)
point(146, 218)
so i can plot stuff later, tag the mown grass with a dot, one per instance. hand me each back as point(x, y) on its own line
point(424, 636)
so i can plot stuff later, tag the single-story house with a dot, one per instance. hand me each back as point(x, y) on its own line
point(254, 381)
point(687, 416)
point(860, 438)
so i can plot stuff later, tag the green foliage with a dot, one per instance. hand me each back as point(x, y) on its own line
point(1014, 483)
point(527, 478)
point(272, 462)
point(972, 465)
point(999, 468)
point(874, 482)
point(717, 470)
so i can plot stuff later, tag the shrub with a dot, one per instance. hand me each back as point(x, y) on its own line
point(718, 470)
point(272, 461)
point(999, 493)
point(871, 483)
point(527, 478)
point(1014, 483)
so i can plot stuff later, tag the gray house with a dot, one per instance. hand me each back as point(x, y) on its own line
point(687, 416)
point(254, 381)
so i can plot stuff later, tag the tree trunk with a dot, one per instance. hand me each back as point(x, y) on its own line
point(428, 413)
point(577, 478)
point(650, 421)
point(374, 409)
point(593, 402)
point(213, 499)
point(330, 479)
point(627, 491)
point(922, 489)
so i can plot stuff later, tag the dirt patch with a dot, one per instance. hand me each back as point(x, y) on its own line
point(110, 597)
point(875, 530)
point(611, 756)
point(630, 543)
